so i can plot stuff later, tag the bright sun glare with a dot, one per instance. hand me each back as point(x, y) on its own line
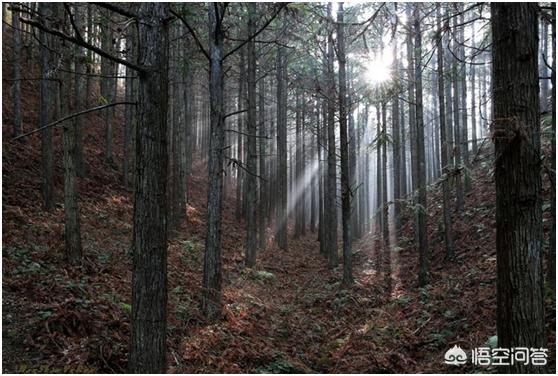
point(378, 68)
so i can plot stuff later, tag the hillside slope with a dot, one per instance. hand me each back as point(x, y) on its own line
point(292, 314)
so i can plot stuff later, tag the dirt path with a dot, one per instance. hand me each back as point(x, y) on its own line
point(293, 315)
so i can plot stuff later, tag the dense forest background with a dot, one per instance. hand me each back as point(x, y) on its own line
point(278, 187)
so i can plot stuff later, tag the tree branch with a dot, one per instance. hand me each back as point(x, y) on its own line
point(247, 134)
point(234, 113)
point(238, 163)
point(73, 22)
point(91, 47)
point(266, 24)
point(117, 9)
point(71, 116)
point(192, 32)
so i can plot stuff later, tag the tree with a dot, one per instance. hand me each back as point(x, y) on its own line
point(463, 97)
point(262, 132)
point(211, 298)
point(345, 183)
point(241, 102)
point(444, 146)
point(331, 190)
point(411, 98)
point(79, 98)
point(457, 125)
point(72, 232)
point(16, 88)
point(396, 139)
point(551, 273)
point(422, 240)
point(516, 133)
point(106, 83)
point(281, 209)
point(149, 276)
point(251, 230)
point(48, 90)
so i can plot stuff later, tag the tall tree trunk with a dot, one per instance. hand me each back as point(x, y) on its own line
point(79, 103)
point(551, 269)
point(520, 313)
point(149, 275)
point(72, 232)
point(282, 184)
point(322, 150)
point(444, 147)
point(302, 169)
point(212, 274)
point(379, 211)
point(464, 119)
point(543, 61)
point(423, 276)
point(353, 171)
point(251, 230)
point(412, 104)
point(473, 98)
point(344, 143)
point(331, 191)
point(240, 120)
point(106, 84)
point(314, 171)
point(128, 110)
point(396, 147)
point(457, 125)
point(89, 66)
point(297, 182)
point(263, 202)
point(49, 91)
point(16, 87)
point(384, 205)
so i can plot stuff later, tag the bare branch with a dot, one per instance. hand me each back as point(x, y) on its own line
point(117, 9)
point(82, 43)
point(265, 25)
point(236, 162)
point(71, 116)
point(234, 113)
point(192, 32)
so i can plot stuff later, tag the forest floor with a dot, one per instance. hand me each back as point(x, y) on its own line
point(290, 314)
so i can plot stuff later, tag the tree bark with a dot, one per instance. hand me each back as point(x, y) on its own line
point(106, 84)
point(344, 143)
point(149, 276)
point(72, 232)
point(251, 230)
point(457, 125)
point(241, 102)
point(444, 147)
point(49, 90)
point(396, 147)
point(263, 202)
point(551, 269)
point(424, 272)
point(282, 183)
point(331, 192)
point(520, 313)
point(212, 274)
point(79, 97)
point(464, 119)
point(16, 88)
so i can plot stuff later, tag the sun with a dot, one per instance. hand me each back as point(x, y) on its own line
point(378, 68)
